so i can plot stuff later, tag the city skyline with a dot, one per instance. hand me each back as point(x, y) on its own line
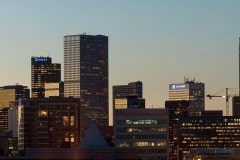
point(157, 43)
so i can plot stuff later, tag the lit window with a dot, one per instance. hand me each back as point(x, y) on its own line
point(65, 120)
point(42, 113)
point(71, 120)
point(66, 139)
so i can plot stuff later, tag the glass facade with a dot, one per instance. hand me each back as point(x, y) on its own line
point(86, 75)
point(143, 129)
point(3, 119)
point(198, 132)
point(43, 71)
point(132, 89)
point(12, 93)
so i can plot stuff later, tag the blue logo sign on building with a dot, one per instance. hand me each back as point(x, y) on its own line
point(40, 59)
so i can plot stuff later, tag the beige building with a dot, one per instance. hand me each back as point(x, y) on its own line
point(12, 93)
point(54, 89)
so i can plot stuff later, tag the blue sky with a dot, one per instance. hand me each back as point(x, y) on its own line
point(157, 42)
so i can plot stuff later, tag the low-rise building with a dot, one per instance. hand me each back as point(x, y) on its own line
point(143, 129)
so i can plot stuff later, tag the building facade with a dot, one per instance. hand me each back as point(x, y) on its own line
point(130, 102)
point(236, 106)
point(86, 75)
point(207, 132)
point(143, 129)
point(131, 89)
point(191, 91)
point(49, 123)
point(176, 109)
point(43, 71)
point(3, 119)
point(54, 89)
point(12, 93)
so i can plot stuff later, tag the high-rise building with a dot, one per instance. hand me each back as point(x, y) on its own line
point(86, 75)
point(191, 91)
point(126, 95)
point(43, 71)
point(49, 123)
point(3, 119)
point(12, 93)
point(131, 89)
point(176, 109)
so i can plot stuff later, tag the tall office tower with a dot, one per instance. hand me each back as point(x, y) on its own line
point(86, 75)
point(191, 91)
point(12, 93)
point(43, 71)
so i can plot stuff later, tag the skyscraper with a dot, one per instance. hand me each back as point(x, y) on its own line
point(191, 91)
point(43, 71)
point(86, 75)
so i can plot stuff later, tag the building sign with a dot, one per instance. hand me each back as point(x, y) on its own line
point(40, 59)
point(178, 86)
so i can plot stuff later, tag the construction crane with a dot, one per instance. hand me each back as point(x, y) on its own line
point(227, 96)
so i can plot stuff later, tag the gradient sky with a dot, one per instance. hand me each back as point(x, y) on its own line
point(156, 42)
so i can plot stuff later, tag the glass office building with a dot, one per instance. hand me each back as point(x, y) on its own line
point(143, 129)
point(43, 71)
point(207, 132)
point(86, 75)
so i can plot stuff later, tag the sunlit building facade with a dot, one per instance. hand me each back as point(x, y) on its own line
point(143, 129)
point(43, 71)
point(130, 102)
point(54, 89)
point(12, 93)
point(86, 75)
point(206, 132)
point(191, 91)
point(50, 123)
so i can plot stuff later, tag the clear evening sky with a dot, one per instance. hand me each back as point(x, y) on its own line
point(156, 42)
